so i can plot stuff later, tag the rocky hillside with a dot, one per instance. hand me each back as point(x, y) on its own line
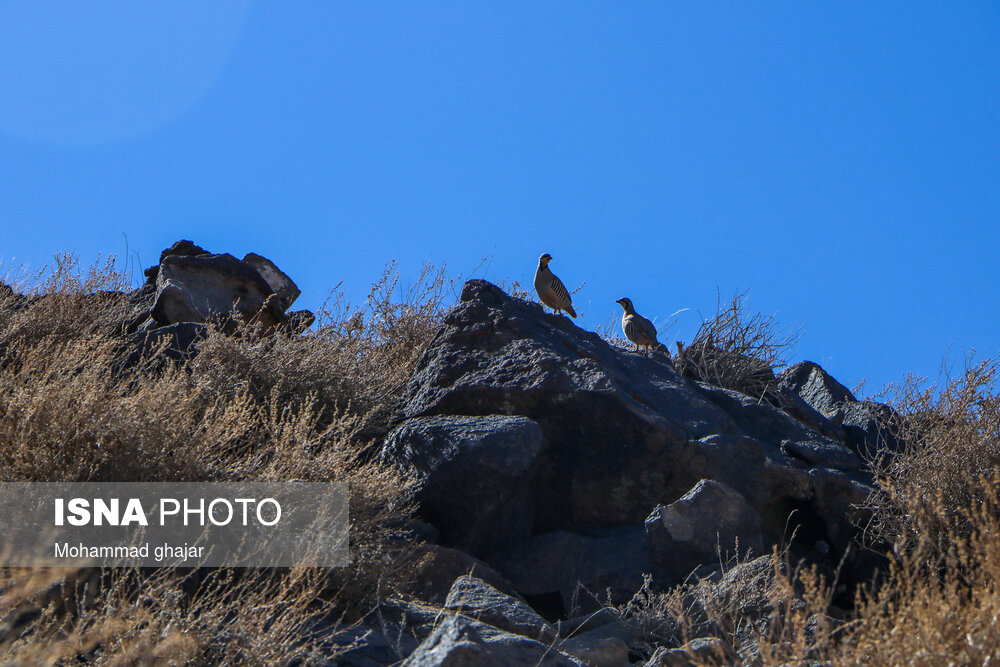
point(573, 469)
point(556, 476)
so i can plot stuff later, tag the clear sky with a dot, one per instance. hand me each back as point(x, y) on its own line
point(839, 160)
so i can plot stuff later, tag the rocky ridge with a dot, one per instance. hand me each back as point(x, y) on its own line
point(555, 472)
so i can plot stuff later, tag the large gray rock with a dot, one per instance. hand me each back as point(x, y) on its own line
point(463, 642)
point(579, 568)
point(867, 425)
point(623, 432)
point(182, 248)
point(817, 387)
point(475, 476)
point(280, 283)
point(205, 287)
point(476, 598)
point(767, 424)
point(710, 523)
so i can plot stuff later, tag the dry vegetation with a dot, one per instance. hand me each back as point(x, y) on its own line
point(737, 349)
point(249, 406)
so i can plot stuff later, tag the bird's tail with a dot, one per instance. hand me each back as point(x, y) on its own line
point(572, 313)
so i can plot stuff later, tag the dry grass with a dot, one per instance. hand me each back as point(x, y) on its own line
point(951, 433)
point(160, 617)
point(737, 349)
point(251, 406)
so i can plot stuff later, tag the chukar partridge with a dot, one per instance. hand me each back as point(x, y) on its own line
point(637, 328)
point(550, 289)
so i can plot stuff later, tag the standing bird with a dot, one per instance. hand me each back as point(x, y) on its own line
point(550, 289)
point(637, 328)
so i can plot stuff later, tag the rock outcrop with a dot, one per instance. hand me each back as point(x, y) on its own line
point(866, 424)
point(621, 434)
point(191, 287)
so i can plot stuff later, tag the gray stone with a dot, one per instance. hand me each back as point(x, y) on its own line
point(623, 433)
point(474, 597)
point(613, 421)
point(868, 428)
point(463, 642)
point(710, 523)
point(696, 653)
point(207, 287)
point(867, 425)
point(600, 647)
point(474, 476)
point(280, 283)
point(183, 248)
point(817, 387)
point(824, 453)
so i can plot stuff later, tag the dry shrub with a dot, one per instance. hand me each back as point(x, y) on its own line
point(251, 406)
point(64, 302)
point(737, 349)
point(355, 363)
point(768, 611)
point(951, 434)
point(941, 600)
point(939, 508)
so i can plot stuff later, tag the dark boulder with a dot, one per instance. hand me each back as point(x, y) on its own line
point(614, 421)
point(182, 248)
point(867, 425)
point(475, 476)
point(475, 598)
point(710, 523)
point(280, 284)
point(432, 570)
point(816, 387)
point(622, 433)
point(579, 570)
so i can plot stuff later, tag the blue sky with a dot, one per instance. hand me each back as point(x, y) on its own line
point(842, 161)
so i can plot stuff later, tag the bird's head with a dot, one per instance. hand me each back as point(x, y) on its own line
point(625, 303)
point(544, 259)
